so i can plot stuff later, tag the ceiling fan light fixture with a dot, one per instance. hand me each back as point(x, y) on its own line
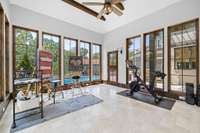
point(108, 9)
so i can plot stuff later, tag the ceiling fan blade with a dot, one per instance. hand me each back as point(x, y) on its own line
point(117, 11)
point(93, 3)
point(100, 13)
point(116, 1)
point(120, 6)
point(83, 8)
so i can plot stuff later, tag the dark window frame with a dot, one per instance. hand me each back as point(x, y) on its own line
point(169, 52)
point(144, 51)
point(2, 47)
point(7, 54)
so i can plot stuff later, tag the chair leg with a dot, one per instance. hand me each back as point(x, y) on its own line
point(62, 94)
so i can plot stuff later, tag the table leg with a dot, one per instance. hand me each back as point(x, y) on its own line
point(62, 94)
point(37, 90)
point(54, 97)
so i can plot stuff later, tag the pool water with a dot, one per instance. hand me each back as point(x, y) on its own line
point(82, 79)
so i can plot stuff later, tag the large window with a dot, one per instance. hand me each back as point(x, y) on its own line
point(26, 43)
point(154, 57)
point(70, 49)
point(51, 43)
point(134, 54)
point(96, 62)
point(85, 53)
point(183, 59)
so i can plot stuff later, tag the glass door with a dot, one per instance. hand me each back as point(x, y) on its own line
point(134, 55)
point(113, 66)
point(153, 57)
point(183, 57)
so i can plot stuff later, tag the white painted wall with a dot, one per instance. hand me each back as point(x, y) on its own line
point(177, 13)
point(27, 18)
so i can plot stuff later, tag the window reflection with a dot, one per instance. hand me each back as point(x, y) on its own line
point(154, 57)
point(51, 43)
point(183, 55)
point(70, 49)
point(85, 53)
point(134, 54)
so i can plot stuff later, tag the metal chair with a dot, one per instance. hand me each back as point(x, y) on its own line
point(76, 84)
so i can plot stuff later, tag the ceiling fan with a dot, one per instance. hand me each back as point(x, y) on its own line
point(109, 6)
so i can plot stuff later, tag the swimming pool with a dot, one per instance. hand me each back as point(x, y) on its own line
point(82, 79)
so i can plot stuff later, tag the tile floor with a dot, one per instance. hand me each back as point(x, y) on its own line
point(117, 114)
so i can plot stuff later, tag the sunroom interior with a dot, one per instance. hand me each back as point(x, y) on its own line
point(71, 66)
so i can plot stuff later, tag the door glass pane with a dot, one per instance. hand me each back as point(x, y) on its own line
point(159, 57)
point(113, 75)
point(134, 54)
point(154, 57)
point(112, 66)
point(70, 49)
point(52, 44)
point(85, 53)
point(112, 59)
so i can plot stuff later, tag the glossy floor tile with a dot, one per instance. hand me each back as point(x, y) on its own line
point(117, 114)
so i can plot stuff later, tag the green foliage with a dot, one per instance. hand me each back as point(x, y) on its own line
point(25, 64)
point(96, 56)
point(84, 52)
point(26, 46)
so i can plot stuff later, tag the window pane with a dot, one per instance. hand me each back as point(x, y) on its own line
point(52, 44)
point(70, 49)
point(183, 56)
point(26, 49)
point(85, 52)
point(95, 62)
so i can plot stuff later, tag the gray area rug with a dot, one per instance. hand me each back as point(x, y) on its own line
point(164, 103)
point(54, 110)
